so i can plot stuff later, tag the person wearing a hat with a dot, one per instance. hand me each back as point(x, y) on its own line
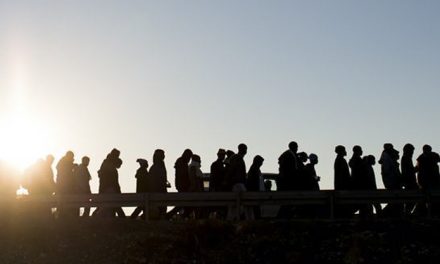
point(141, 184)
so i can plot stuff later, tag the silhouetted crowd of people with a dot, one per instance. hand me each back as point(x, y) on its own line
point(358, 174)
point(229, 174)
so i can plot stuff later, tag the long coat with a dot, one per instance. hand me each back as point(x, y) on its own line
point(142, 180)
point(342, 174)
point(288, 172)
point(182, 178)
point(157, 180)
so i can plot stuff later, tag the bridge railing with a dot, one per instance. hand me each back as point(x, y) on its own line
point(328, 198)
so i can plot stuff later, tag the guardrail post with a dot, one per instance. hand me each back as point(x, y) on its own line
point(428, 203)
point(147, 207)
point(238, 204)
point(332, 205)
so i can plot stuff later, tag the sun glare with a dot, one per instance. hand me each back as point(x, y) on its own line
point(22, 141)
point(23, 138)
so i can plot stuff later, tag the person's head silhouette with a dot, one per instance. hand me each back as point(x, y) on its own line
point(293, 146)
point(85, 161)
point(340, 150)
point(258, 161)
point(187, 154)
point(357, 151)
point(313, 158)
point(221, 154)
point(427, 149)
point(158, 156)
point(408, 150)
point(143, 163)
point(242, 149)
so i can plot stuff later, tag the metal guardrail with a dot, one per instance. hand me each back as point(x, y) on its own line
point(328, 198)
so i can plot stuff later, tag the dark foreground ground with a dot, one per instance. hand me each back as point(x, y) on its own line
point(134, 241)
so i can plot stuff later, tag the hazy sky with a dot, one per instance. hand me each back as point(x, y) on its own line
point(90, 75)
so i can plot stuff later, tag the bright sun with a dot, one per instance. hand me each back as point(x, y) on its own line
point(22, 140)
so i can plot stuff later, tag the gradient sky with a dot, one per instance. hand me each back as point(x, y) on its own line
point(88, 76)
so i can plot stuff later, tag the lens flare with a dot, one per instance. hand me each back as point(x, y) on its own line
point(22, 140)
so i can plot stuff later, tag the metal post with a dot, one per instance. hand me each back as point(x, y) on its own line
point(237, 203)
point(332, 205)
point(429, 203)
point(147, 207)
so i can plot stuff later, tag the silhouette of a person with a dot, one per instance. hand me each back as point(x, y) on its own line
point(342, 180)
point(83, 177)
point(227, 184)
point(428, 170)
point(47, 174)
point(217, 178)
point(66, 183)
point(237, 174)
point(409, 180)
point(288, 175)
point(358, 169)
point(312, 179)
point(288, 169)
point(218, 171)
point(237, 169)
point(157, 181)
point(182, 179)
point(428, 176)
point(360, 178)
point(109, 181)
point(39, 177)
point(195, 174)
point(107, 169)
point(196, 182)
point(391, 177)
point(342, 172)
point(311, 182)
point(370, 181)
point(65, 180)
point(390, 167)
point(301, 180)
point(141, 184)
point(255, 181)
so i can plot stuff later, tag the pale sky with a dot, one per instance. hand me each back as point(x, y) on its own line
point(88, 76)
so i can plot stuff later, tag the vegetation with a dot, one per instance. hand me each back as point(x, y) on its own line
point(128, 241)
